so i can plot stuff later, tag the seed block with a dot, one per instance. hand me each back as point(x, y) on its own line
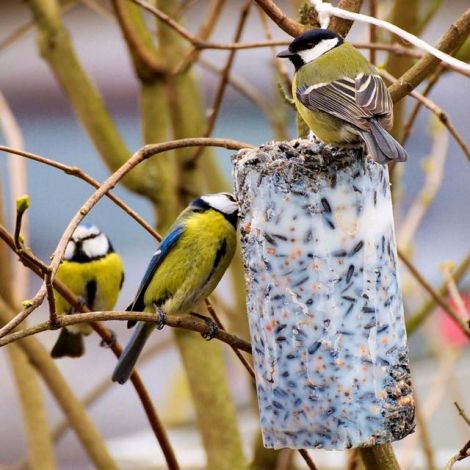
point(324, 301)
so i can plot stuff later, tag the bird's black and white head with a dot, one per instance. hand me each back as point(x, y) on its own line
point(311, 45)
point(88, 243)
point(225, 203)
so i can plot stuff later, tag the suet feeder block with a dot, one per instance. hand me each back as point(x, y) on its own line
point(324, 301)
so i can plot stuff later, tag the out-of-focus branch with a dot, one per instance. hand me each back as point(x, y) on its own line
point(462, 413)
point(215, 9)
point(147, 64)
point(434, 295)
point(451, 40)
point(415, 320)
point(379, 457)
point(17, 171)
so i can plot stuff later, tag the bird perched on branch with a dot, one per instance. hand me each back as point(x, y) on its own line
point(184, 270)
point(340, 95)
point(94, 272)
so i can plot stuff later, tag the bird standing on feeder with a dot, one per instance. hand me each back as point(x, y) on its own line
point(340, 95)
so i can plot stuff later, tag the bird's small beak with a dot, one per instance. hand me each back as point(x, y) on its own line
point(286, 53)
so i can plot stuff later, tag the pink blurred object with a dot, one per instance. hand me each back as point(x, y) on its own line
point(450, 331)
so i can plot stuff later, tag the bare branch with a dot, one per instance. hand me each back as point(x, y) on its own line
point(462, 413)
point(288, 25)
point(426, 309)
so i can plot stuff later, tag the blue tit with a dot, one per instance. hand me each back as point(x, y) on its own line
point(94, 272)
point(185, 269)
point(340, 95)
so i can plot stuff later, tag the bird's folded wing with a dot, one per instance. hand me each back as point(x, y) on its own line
point(372, 94)
point(165, 247)
point(354, 100)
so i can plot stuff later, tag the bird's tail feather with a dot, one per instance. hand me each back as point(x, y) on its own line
point(131, 352)
point(68, 344)
point(381, 145)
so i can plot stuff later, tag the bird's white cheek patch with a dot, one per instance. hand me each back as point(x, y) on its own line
point(96, 247)
point(323, 46)
point(221, 202)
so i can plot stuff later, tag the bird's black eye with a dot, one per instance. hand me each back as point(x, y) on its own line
point(198, 210)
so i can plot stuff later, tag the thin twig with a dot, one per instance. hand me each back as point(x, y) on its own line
point(224, 77)
point(463, 453)
point(147, 63)
point(308, 460)
point(447, 269)
point(290, 26)
point(215, 9)
point(435, 295)
point(426, 309)
point(50, 299)
point(462, 413)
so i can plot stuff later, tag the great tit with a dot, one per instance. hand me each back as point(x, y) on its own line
point(95, 273)
point(340, 95)
point(185, 269)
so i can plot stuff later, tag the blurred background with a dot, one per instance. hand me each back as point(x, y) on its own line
point(439, 356)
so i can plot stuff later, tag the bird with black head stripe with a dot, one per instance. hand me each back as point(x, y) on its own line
point(93, 271)
point(185, 269)
point(340, 95)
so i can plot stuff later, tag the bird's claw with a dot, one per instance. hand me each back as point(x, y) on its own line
point(213, 328)
point(161, 320)
point(109, 343)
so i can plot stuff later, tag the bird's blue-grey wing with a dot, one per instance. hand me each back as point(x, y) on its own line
point(354, 100)
point(165, 247)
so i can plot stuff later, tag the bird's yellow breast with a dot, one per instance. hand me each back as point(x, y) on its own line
point(107, 272)
point(194, 266)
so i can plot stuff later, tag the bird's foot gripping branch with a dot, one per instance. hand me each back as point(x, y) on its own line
point(324, 303)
